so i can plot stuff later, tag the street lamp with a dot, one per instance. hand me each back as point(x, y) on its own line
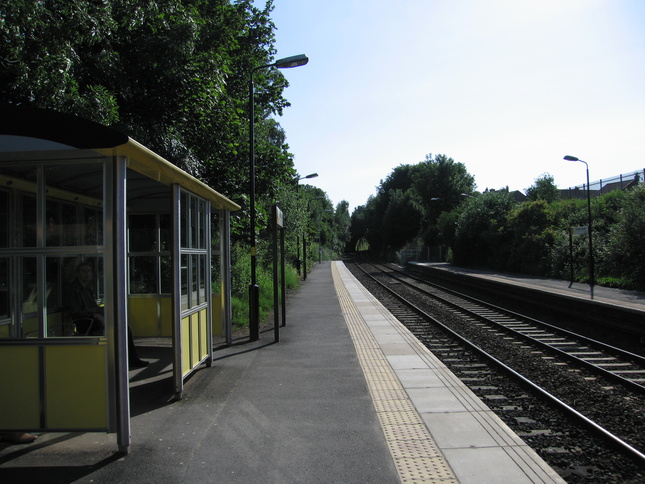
point(311, 175)
point(591, 262)
point(304, 239)
point(254, 290)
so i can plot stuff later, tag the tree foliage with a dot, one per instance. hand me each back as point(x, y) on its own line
point(342, 222)
point(172, 74)
point(481, 233)
point(401, 220)
point(494, 231)
point(175, 75)
point(625, 253)
point(441, 184)
point(409, 201)
point(544, 188)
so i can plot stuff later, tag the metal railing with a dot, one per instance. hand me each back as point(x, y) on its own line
point(600, 187)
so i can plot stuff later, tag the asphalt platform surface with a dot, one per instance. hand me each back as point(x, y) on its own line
point(294, 411)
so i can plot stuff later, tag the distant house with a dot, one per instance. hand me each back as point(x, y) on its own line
point(518, 196)
point(577, 193)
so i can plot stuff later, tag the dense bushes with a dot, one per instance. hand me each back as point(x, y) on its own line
point(532, 237)
point(432, 205)
point(623, 256)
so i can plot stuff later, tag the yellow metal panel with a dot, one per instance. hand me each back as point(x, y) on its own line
point(166, 316)
point(76, 382)
point(185, 345)
point(143, 315)
point(19, 404)
point(145, 312)
point(4, 330)
point(203, 334)
point(194, 348)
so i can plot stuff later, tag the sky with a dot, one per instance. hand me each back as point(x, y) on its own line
point(506, 87)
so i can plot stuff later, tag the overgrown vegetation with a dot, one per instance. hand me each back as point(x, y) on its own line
point(174, 75)
point(435, 207)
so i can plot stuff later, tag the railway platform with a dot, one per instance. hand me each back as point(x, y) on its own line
point(347, 395)
point(604, 295)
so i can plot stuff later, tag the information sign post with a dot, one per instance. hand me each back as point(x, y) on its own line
point(278, 256)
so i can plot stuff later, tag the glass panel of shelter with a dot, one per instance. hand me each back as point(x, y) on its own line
point(44, 260)
point(193, 219)
point(149, 256)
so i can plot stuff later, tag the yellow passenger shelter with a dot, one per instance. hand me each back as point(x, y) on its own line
point(71, 192)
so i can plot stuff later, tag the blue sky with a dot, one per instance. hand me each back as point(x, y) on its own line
point(507, 87)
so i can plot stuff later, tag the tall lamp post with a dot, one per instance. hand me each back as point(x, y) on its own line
point(591, 261)
point(304, 238)
point(311, 175)
point(254, 290)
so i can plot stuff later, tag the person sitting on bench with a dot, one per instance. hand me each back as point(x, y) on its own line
point(83, 306)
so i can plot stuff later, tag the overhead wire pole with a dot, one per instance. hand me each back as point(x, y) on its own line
point(254, 290)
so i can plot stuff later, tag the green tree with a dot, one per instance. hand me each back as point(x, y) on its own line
point(625, 249)
point(533, 236)
point(481, 237)
point(342, 222)
point(409, 201)
point(440, 183)
point(544, 188)
point(372, 218)
point(46, 49)
point(358, 228)
point(173, 75)
point(402, 219)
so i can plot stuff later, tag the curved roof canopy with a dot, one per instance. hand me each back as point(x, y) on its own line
point(58, 127)
point(71, 131)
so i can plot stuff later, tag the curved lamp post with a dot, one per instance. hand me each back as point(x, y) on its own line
point(591, 262)
point(254, 290)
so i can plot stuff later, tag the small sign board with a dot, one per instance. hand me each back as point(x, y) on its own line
point(582, 230)
point(279, 217)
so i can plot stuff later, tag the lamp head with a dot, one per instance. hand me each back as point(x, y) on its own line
point(571, 158)
point(293, 61)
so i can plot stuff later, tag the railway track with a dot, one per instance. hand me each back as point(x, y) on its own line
point(597, 386)
point(610, 362)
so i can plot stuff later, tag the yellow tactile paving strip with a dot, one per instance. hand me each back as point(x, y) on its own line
point(417, 458)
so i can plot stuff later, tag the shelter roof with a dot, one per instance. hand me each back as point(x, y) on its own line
point(19, 125)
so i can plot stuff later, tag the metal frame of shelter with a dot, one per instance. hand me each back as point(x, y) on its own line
point(67, 189)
